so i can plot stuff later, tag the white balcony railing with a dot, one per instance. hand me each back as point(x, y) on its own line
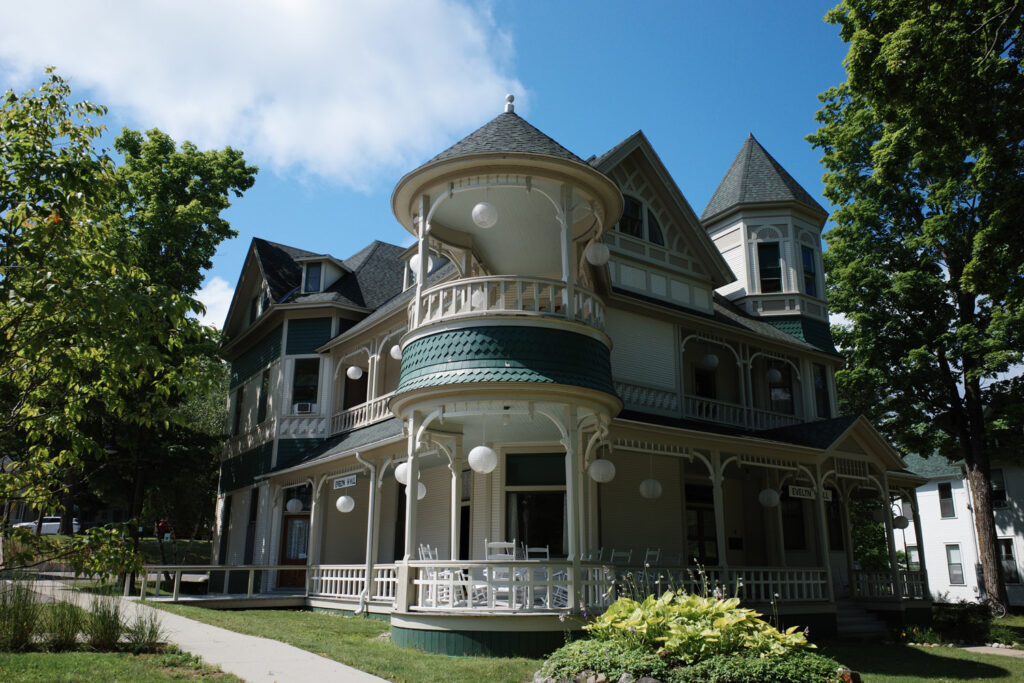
point(348, 581)
point(878, 584)
point(711, 410)
point(507, 587)
point(361, 415)
point(753, 584)
point(766, 419)
point(512, 296)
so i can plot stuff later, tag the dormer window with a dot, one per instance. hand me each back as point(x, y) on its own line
point(312, 277)
point(769, 261)
point(639, 221)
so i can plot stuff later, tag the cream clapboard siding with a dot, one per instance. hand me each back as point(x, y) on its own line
point(388, 493)
point(480, 512)
point(644, 349)
point(237, 526)
point(630, 521)
point(433, 527)
point(344, 535)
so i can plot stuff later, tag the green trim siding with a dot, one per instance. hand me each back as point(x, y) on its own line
point(260, 355)
point(537, 644)
point(817, 333)
point(514, 354)
point(306, 335)
point(243, 469)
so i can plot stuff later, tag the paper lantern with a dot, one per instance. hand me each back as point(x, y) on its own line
point(597, 253)
point(402, 474)
point(709, 362)
point(345, 504)
point(768, 498)
point(602, 470)
point(485, 215)
point(900, 522)
point(354, 372)
point(650, 489)
point(396, 352)
point(483, 459)
point(293, 505)
point(414, 263)
point(421, 491)
point(774, 375)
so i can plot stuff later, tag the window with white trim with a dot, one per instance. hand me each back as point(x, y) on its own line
point(769, 264)
point(946, 509)
point(313, 271)
point(305, 385)
point(955, 564)
point(639, 221)
point(1005, 548)
point(810, 271)
point(998, 488)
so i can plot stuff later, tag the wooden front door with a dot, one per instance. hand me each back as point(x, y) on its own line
point(294, 549)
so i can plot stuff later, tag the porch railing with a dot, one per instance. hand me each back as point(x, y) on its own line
point(767, 419)
point(519, 296)
point(348, 581)
point(753, 584)
point(502, 586)
point(362, 415)
point(878, 584)
point(256, 576)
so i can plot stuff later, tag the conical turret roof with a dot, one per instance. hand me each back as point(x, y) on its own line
point(507, 132)
point(755, 177)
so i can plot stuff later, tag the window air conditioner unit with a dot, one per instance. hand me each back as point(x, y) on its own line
point(304, 408)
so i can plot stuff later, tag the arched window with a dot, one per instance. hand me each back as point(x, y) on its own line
point(639, 221)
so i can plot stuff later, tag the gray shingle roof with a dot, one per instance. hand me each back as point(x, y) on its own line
point(755, 176)
point(933, 467)
point(283, 274)
point(507, 132)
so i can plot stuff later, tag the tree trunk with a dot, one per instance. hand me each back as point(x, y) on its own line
point(978, 476)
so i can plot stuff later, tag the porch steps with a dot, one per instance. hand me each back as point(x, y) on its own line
point(856, 623)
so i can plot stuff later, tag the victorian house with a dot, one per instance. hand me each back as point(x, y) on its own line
point(570, 376)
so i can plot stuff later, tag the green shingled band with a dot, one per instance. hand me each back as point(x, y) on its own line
point(513, 354)
point(818, 333)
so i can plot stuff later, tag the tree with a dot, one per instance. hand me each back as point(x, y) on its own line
point(923, 147)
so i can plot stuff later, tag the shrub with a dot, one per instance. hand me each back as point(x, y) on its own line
point(611, 659)
point(20, 612)
point(144, 633)
point(684, 628)
point(962, 621)
point(917, 634)
point(103, 624)
point(792, 667)
point(1002, 633)
point(62, 625)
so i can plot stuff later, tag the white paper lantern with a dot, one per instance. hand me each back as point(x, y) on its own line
point(768, 498)
point(483, 459)
point(354, 372)
point(602, 470)
point(402, 474)
point(900, 522)
point(774, 375)
point(414, 263)
point(485, 215)
point(421, 491)
point(396, 352)
point(650, 489)
point(345, 504)
point(293, 505)
point(597, 253)
point(709, 362)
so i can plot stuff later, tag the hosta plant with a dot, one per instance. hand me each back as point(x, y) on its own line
point(685, 628)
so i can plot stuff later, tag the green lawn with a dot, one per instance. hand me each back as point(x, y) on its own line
point(913, 664)
point(199, 552)
point(88, 667)
point(363, 643)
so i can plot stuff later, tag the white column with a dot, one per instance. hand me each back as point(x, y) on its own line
point(315, 527)
point(823, 540)
point(778, 523)
point(371, 523)
point(456, 503)
point(567, 256)
point(421, 273)
point(716, 491)
point(920, 545)
point(848, 542)
point(411, 490)
point(894, 570)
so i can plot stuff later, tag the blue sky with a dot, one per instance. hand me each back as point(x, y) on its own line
point(336, 100)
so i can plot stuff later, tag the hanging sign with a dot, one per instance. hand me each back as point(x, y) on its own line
point(807, 493)
point(345, 482)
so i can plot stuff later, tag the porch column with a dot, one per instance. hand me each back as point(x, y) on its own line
point(455, 465)
point(411, 490)
point(780, 531)
point(315, 526)
point(371, 523)
point(926, 593)
point(371, 376)
point(848, 542)
point(421, 272)
point(565, 220)
point(894, 570)
point(573, 484)
point(719, 502)
point(823, 538)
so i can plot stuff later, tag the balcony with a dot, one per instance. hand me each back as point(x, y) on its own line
point(664, 402)
point(363, 415)
point(505, 296)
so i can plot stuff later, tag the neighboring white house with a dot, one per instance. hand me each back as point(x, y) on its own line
point(568, 360)
point(949, 535)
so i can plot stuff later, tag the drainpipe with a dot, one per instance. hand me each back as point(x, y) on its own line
point(364, 596)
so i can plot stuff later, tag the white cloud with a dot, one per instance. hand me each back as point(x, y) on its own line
point(346, 89)
point(216, 296)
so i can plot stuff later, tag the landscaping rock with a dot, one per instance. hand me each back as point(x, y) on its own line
point(849, 675)
point(627, 678)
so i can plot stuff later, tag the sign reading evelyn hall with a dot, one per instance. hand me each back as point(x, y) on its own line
point(807, 493)
point(344, 482)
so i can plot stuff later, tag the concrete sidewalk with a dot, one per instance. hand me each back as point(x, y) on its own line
point(248, 657)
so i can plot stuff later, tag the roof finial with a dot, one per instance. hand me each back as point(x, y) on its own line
point(509, 107)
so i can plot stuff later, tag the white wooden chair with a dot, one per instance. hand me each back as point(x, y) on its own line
point(593, 555)
point(499, 579)
point(621, 556)
point(652, 556)
point(540, 552)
